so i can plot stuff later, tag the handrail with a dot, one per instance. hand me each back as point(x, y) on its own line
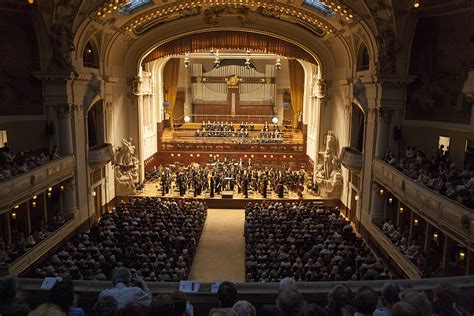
point(449, 216)
point(21, 187)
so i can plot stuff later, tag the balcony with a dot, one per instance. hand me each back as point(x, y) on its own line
point(351, 158)
point(24, 186)
point(100, 155)
point(447, 215)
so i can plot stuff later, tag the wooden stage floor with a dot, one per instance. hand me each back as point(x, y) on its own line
point(238, 200)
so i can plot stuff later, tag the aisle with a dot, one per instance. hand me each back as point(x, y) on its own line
point(221, 251)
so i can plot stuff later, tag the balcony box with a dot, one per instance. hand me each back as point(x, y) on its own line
point(351, 158)
point(100, 155)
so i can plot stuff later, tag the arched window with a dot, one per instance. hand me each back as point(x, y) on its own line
point(363, 58)
point(90, 57)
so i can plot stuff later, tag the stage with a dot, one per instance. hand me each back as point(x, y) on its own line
point(237, 201)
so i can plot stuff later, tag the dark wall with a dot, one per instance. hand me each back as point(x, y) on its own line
point(20, 92)
point(442, 53)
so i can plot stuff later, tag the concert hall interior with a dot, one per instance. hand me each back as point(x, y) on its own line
point(307, 151)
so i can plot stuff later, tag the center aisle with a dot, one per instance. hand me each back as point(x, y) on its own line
point(221, 251)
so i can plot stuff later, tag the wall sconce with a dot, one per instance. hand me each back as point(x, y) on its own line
point(172, 155)
point(34, 197)
point(94, 193)
point(356, 198)
point(187, 119)
point(271, 156)
point(462, 255)
point(61, 188)
point(416, 4)
point(251, 156)
point(179, 155)
point(435, 236)
point(13, 215)
point(291, 156)
point(264, 156)
point(381, 191)
point(191, 155)
point(33, 204)
point(284, 156)
point(49, 194)
point(50, 189)
point(390, 200)
point(245, 156)
point(401, 210)
point(210, 155)
point(197, 155)
point(217, 155)
point(17, 206)
point(415, 221)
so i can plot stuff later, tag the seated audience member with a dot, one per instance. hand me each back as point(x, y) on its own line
point(8, 306)
point(132, 309)
point(285, 284)
point(418, 301)
point(445, 301)
point(244, 308)
point(338, 300)
point(227, 294)
point(365, 301)
point(47, 310)
point(123, 293)
point(223, 312)
point(182, 307)
point(162, 305)
point(390, 297)
point(314, 310)
point(62, 294)
point(404, 309)
point(291, 303)
point(105, 306)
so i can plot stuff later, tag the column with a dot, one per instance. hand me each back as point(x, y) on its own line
point(377, 208)
point(64, 112)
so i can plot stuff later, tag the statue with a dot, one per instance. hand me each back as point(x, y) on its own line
point(126, 168)
point(61, 39)
point(94, 87)
point(389, 47)
point(233, 81)
point(328, 174)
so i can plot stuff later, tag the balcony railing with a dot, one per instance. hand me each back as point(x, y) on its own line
point(449, 216)
point(28, 258)
point(22, 187)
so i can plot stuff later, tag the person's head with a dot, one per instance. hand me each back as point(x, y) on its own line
point(179, 299)
point(418, 301)
point(131, 309)
point(227, 294)
point(287, 284)
point(47, 310)
point(404, 309)
point(290, 303)
point(105, 306)
point(365, 300)
point(8, 286)
point(390, 293)
point(445, 295)
point(339, 296)
point(222, 312)
point(244, 308)
point(162, 305)
point(62, 294)
point(121, 275)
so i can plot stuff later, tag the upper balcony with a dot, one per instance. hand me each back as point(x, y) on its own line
point(448, 215)
point(22, 187)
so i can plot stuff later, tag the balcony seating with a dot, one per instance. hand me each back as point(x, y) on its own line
point(100, 155)
point(351, 158)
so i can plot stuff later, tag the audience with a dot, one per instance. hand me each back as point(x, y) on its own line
point(8, 304)
point(244, 308)
point(124, 293)
point(47, 310)
point(162, 305)
point(12, 164)
point(62, 295)
point(227, 294)
point(439, 174)
point(291, 303)
point(307, 242)
point(156, 239)
point(390, 296)
point(105, 306)
point(365, 301)
point(339, 299)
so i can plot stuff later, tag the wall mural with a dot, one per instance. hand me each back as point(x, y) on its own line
point(442, 54)
point(20, 92)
